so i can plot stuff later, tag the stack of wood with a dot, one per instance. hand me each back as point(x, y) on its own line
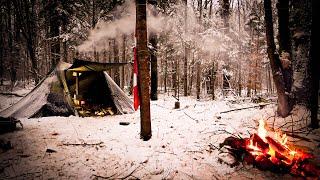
point(104, 111)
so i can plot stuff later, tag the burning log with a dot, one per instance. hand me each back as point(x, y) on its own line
point(234, 143)
point(263, 162)
point(258, 142)
point(277, 146)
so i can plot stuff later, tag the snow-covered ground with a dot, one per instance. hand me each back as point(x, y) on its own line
point(182, 145)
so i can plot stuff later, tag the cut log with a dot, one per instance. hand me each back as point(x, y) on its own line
point(260, 143)
point(235, 143)
point(277, 146)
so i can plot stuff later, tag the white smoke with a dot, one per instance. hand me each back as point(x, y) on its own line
point(104, 31)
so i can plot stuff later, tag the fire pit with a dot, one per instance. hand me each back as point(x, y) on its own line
point(268, 150)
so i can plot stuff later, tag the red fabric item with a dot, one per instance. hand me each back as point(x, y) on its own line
point(136, 97)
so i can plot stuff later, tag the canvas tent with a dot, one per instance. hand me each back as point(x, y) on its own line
point(55, 94)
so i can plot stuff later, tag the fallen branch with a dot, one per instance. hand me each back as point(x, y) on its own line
point(104, 177)
point(11, 94)
point(190, 117)
point(238, 109)
point(82, 144)
point(288, 133)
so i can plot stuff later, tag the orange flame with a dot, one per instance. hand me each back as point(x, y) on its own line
point(262, 132)
point(282, 140)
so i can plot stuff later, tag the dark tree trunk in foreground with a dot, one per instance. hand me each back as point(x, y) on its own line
point(304, 75)
point(284, 43)
point(283, 99)
point(315, 66)
point(154, 67)
point(300, 21)
point(144, 75)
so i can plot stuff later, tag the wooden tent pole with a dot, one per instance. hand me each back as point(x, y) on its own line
point(77, 84)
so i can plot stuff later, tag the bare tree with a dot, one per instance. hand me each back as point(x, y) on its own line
point(144, 70)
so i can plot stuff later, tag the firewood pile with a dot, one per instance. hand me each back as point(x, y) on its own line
point(87, 111)
point(271, 153)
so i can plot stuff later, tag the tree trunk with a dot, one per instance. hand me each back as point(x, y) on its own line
point(200, 10)
point(185, 64)
point(93, 21)
point(165, 72)
point(283, 99)
point(12, 69)
point(124, 39)
point(64, 43)
point(300, 20)
point(239, 15)
point(174, 76)
point(54, 33)
point(210, 10)
point(116, 60)
point(144, 75)
point(213, 78)
point(226, 14)
point(154, 68)
point(198, 78)
point(284, 40)
point(239, 80)
point(191, 74)
point(315, 66)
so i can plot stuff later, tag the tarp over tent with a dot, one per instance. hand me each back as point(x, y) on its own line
point(53, 96)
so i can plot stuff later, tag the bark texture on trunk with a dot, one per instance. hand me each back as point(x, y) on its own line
point(315, 66)
point(144, 73)
point(284, 42)
point(283, 99)
point(300, 25)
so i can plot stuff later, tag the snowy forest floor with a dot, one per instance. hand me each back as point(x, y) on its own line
point(181, 147)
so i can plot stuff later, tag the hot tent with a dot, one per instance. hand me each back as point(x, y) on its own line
point(54, 95)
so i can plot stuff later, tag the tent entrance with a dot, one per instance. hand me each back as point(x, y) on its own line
point(91, 93)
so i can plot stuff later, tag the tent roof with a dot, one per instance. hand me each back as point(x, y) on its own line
point(83, 65)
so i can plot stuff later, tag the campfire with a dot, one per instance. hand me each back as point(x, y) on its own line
point(269, 150)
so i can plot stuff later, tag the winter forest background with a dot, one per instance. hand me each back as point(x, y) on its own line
point(202, 48)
